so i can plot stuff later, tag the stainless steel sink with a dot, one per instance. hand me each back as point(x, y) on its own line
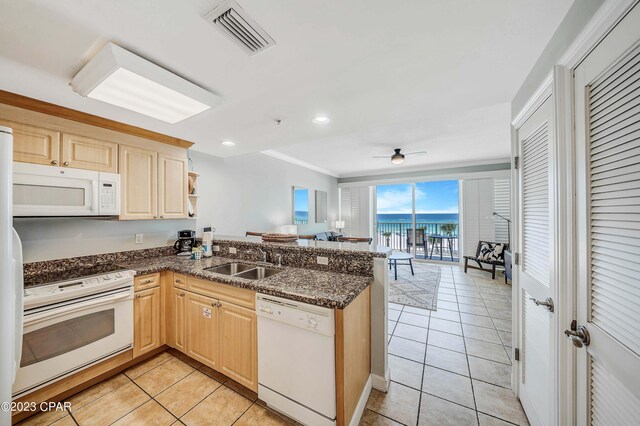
point(258, 273)
point(230, 268)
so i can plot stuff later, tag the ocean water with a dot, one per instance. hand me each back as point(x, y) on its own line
point(420, 218)
point(301, 217)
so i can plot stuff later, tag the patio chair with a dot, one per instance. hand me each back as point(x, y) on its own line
point(420, 240)
point(490, 253)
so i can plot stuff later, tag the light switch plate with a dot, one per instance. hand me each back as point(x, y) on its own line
point(232, 250)
point(215, 248)
point(139, 238)
point(322, 260)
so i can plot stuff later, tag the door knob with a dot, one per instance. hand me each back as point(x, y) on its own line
point(548, 303)
point(579, 335)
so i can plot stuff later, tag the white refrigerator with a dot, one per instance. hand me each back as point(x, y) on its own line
point(11, 284)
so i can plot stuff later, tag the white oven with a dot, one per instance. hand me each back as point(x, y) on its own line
point(65, 336)
point(40, 190)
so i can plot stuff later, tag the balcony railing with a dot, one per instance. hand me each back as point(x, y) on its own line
point(397, 240)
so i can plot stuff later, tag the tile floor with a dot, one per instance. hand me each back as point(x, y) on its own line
point(167, 389)
point(451, 366)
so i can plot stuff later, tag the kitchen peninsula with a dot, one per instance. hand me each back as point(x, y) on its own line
point(207, 309)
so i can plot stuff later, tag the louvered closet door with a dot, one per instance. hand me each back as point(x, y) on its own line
point(534, 274)
point(607, 86)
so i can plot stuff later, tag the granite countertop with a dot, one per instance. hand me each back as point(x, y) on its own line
point(316, 246)
point(328, 289)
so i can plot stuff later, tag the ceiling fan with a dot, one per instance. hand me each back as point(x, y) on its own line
point(398, 157)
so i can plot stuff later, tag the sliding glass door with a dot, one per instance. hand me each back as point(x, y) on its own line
point(419, 218)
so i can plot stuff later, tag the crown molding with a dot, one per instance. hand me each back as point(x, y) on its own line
point(292, 160)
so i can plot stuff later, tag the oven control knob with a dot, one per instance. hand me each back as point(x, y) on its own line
point(312, 323)
point(118, 275)
point(27, 293)
point(107, 278)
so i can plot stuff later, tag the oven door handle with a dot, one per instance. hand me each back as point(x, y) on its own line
point(45, 316)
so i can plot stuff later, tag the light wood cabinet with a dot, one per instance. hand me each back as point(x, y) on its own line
point(138, 183)
point(147, 315)
point(33, 144)
point(142, 282)
point(202, 329)
point(81, 152)
point(172, 186)
point(176, 324)
point(179, 280)
point(238, 344)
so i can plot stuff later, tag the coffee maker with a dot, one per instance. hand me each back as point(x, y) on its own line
point(186, 241)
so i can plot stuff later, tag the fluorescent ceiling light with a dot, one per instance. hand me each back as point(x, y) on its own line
point(119, 77)
point(228, 143)
point(321, 119)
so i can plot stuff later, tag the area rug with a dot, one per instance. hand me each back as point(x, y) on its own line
point(419, 290)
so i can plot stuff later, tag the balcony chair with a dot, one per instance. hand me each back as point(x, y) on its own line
point(421, 241)
point(490, 253)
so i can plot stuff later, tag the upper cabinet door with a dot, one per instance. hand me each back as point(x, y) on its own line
point(33, 144)
point(81, 152)
point(139, 184)
point(172, 188)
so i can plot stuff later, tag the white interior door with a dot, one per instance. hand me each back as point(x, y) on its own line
point(607, 102)
point(534, 271)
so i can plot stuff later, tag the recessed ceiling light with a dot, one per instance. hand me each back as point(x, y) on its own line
point(320, 119)
point(228, 143)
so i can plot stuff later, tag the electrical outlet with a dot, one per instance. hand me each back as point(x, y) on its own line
point(232, 250)
point(215, 248)
point(139, 238)
point(322, 260)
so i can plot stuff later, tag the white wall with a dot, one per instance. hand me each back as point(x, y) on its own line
point(248, 192)
point(254, 193)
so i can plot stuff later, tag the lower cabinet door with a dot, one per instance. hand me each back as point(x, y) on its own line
point(202, 329)
point(239, 344)
point(146, 314)
point(176, 329)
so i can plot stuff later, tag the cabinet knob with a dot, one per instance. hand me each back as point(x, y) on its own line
point(161, 217)
point(137, 296)
point(54, 162)
point(66, 163)
point(181, 294)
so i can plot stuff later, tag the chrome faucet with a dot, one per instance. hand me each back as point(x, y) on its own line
point(278, 257)
point(264, 255)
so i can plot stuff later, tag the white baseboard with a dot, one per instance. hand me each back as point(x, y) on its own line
point(381, 383)
point(362, 403)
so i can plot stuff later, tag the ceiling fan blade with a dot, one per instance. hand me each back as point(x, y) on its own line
point(386, 157)
point(416, 153)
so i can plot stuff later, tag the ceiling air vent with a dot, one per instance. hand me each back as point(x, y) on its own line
point(240, 27)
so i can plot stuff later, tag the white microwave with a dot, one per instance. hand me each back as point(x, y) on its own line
point(42, 191)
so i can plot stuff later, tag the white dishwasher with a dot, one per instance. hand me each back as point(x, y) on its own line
point(296, 359)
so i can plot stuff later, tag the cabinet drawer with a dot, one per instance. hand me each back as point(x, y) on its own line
point(146, 281)
point(228, 293)
point(179, 280)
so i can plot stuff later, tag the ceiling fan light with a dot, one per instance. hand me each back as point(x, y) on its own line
point(397, 159)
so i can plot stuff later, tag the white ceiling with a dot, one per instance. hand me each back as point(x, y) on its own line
point(411, 74)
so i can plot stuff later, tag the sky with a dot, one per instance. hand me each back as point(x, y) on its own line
point(431, 197)
point(301, 200)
